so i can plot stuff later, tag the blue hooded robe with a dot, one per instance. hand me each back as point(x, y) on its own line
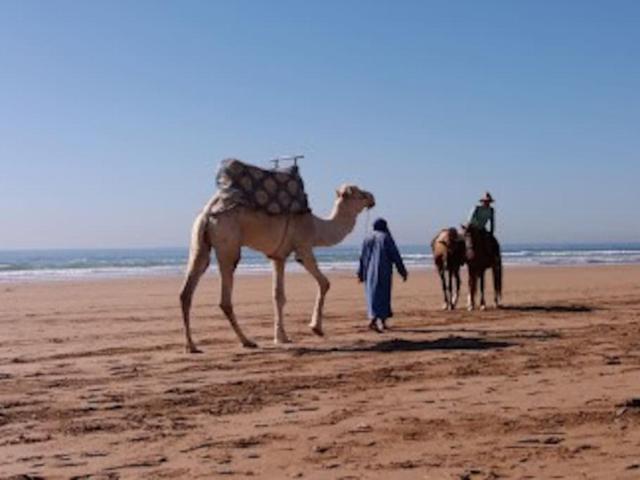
point(379, 254)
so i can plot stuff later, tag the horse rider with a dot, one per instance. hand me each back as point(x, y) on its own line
point(482, 215)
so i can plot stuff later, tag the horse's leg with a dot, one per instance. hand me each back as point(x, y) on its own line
point(279, 300)
point(198, 263)
point(457, 294)
point(497, 282)
point(311, 265)
point(443, 280)
point(227, 265)
point(450, 288)
point(483, 304)
point(472, 290)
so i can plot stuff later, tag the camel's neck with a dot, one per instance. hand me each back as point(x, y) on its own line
point(331, 231)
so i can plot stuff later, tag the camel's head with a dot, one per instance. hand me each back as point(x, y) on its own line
point(355, 198)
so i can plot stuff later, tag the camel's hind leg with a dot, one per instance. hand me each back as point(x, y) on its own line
point(311, 265)
point(199, 259)
point(227, 265)
point(279, 300)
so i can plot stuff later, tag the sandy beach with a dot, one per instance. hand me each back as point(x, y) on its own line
point(94, 382)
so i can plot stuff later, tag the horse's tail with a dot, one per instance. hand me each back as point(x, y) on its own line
point(498, 277)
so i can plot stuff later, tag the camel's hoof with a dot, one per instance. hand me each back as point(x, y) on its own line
point(445, 307)
point(282, 341)
point(249, 344)
point(483, 308)
point(471, 308)
point(317, 330)
point(192, 349)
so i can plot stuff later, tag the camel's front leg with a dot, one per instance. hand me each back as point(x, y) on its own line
point(311, 265)
point(227, 269)
point(278, 302)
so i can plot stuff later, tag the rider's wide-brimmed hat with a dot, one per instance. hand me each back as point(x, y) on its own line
point(487, 198)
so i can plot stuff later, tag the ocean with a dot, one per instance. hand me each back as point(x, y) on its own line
point(75, 264)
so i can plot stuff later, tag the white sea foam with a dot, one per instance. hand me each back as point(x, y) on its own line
point(21, 266)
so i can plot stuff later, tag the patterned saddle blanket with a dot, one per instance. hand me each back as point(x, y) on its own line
point(275, 192)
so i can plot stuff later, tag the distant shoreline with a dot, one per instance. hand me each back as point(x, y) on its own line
point(145, 274)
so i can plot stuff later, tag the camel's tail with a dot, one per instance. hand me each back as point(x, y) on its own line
point(199, 234)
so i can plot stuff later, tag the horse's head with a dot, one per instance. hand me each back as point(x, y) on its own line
point(452, 237)
point(454, 243)
point(470, 234)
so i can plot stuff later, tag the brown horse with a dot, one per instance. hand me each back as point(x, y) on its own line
point(448, 256)
point(482, 252)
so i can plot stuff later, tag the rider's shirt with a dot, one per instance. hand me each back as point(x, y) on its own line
point(482, 215)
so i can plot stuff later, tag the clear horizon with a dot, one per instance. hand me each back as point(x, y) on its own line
point(119, 112)
point(506, 246)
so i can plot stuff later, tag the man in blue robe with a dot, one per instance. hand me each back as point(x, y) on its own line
point(379, 254)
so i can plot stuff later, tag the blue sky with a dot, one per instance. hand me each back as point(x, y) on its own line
point(116, 114)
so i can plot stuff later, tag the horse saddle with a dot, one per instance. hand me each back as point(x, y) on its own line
point(478, 240)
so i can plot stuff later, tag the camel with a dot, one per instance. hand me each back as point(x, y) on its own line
point(448, 256)
point(482, 252)
point(277, 236)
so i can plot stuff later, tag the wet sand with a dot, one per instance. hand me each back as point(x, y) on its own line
point(94, 382)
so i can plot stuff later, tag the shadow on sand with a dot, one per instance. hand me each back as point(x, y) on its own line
point(529, 334)
point(548, 308)
point(402, 345)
